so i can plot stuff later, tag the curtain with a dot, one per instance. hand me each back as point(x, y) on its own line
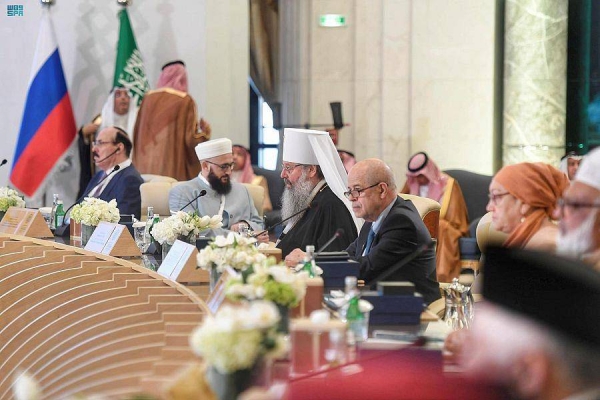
point(264, 47)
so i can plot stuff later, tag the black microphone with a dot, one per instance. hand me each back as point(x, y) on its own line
point(63, 230)
point(202, 193)
point(339, 232)
point(3, 162)
point(281, 222)
point(108, 156)
point(386, 273)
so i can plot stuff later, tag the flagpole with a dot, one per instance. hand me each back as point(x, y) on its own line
point(123, 3)
point(47, 3)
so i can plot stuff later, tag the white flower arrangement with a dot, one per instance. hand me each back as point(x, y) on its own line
point(233, 250)
point(10, 198)
point(92, 211)
point(276, 283)
point(182, 224)
point(237, 337)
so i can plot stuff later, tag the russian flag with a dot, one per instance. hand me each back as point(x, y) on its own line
point(48, 126)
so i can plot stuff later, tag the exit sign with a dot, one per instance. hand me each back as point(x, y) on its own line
point(332, 20)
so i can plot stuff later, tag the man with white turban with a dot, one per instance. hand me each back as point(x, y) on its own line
point(313, 198)
point(230, 200)
point(579, 212)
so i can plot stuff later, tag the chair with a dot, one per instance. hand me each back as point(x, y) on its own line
point(487, 235)
point(429, 210)
point(257, 193)
point(475, 189)
point(157, 178)
point(156, 194)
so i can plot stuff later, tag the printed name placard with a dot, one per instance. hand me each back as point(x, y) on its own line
point(25, 222)
point(176, 259)
point(113, 240)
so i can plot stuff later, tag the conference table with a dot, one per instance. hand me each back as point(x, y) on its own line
point(87, 323)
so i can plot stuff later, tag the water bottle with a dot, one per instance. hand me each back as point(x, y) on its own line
point(53, 212)
point(309, 261)
point(59, 214)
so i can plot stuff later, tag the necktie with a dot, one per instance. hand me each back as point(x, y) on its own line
point(369, 241)
point(98, 189)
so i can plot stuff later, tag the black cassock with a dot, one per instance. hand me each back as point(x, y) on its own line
point(326, 214)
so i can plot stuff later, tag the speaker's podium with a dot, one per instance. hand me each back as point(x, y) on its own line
point(336, 266)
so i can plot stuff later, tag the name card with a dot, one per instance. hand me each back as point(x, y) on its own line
point(176, 259)
point(113, 240)
point(25, 222)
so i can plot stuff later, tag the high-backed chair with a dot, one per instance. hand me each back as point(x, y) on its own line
point(257, 193)
point(487, 235)
point(158, 178)
point(429, 210)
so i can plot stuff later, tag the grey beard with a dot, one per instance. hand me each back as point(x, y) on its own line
point(295, 199)
point(578, 241)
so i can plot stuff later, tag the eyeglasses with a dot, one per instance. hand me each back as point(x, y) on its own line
point(495, 197)
point(574, 205)
point(223, 167)
point(290, 167)
point(355, 193)
point(99, 143)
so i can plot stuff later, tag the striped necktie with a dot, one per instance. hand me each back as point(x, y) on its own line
point(369, 241)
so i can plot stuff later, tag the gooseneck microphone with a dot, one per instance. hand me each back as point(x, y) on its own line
point(64, 228)
point(282, 221)
point(202, 193)
point(339, 232)
point(3, 162)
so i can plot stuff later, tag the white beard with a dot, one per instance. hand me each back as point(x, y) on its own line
point(296, 198)
point(578, 241)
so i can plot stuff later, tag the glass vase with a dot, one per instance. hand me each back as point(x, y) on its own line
point(165, 247)
point(284, 322)
point(214, 278)
point(86, 233)
point(228, 386)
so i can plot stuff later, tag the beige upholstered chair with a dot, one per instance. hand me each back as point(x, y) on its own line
point(155, 193)
point(428, 209)
point(257, 193)
point(158, 178)
point(487, 235)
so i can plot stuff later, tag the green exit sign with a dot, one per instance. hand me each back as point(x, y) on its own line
point(332, 20)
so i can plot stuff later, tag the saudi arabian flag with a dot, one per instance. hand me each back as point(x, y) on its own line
point(129, 69)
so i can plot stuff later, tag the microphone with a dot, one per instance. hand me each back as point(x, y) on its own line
point(202, 193)
point(339, 232)
point(3, 162)
point(385, 274)
point(108, 156)
point(282, 221)
point(63, 230)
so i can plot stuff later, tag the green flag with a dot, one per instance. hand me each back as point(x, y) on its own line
point(129, 68)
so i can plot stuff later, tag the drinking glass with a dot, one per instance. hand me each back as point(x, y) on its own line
point(139, 231)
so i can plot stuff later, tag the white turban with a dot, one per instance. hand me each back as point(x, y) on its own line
point(213, 148)
point(310, 147)
point(589, 170)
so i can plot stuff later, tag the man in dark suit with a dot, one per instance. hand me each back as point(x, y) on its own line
point(392, 231)
point(112, 147)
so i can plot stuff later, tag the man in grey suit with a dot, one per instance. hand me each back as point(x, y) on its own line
point(230, 200)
